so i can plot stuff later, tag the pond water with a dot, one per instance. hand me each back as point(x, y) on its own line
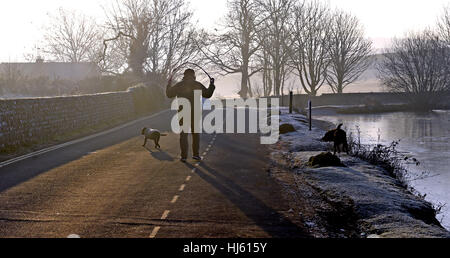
point(425, 136)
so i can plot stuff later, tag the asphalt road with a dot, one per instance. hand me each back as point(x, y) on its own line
point(110, 186)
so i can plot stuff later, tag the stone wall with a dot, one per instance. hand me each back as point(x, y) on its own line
point(301, 100)
point(27, 121)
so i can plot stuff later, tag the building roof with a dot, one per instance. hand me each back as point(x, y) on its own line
point(53, 70)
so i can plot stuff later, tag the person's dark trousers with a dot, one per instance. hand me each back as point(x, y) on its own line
point(184, 145)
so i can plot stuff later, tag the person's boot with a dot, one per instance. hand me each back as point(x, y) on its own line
point(198, 158)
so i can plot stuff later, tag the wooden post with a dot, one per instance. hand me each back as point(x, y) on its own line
point(310, 114)
point(291, 96)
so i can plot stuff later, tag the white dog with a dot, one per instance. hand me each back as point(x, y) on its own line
point(152, 134)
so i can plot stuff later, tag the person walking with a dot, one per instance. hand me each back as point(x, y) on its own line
point(185, 89)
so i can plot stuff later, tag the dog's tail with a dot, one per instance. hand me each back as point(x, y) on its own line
point(339, 126)
point(163, 134)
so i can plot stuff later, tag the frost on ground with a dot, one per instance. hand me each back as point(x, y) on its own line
point(303, 139)
point(359, 200)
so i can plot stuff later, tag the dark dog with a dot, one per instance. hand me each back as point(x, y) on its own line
point(329, 136)
point(152, 134)
point(339, 138)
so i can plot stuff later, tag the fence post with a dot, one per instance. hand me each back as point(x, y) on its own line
point(291, 96)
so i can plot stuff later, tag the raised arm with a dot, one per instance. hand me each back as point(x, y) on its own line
point(208, 92)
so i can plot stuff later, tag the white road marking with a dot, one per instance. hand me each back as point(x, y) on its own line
point(37, 153)
point(188, 178)
point(175, 198)
point(165, 214)
point(207, 149)
point(193, 170)
point(154, 232)
point(182, 187)
point(209, 146)
point(204, 153)
point(73, 236)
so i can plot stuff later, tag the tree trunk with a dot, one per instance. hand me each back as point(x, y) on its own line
point(244, 81)
point(244, 87)
point(250, 92)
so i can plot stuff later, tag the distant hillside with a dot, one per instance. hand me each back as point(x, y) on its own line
point(229, 85)
point(372, 72)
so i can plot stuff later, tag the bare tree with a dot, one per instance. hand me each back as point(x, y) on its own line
point(173, 39)
point(443, 25)
point(258, 91)
point(72, 37)
point(349, 51)
point(151, 37)
point(232, 47)
point(266, 64)
point(311, 36)
point(12, 80)
point(129, 24)
point(418, 64)
point(275, 39)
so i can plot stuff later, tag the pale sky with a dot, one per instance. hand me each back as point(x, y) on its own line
point(22, 21)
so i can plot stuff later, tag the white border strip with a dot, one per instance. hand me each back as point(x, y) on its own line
point(30, 155)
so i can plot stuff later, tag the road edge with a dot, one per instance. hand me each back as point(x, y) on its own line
point(62, 145)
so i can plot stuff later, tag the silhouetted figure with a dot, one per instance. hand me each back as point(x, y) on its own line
point(185, 89)
point(339, 138)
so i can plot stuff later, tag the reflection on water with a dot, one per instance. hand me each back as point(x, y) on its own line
point(425, 136)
